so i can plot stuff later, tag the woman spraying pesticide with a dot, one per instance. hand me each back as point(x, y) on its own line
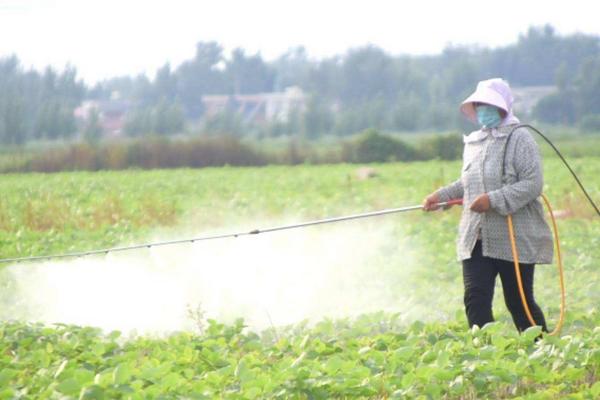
point(499, 177)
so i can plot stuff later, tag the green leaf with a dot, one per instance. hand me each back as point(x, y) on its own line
point(7, 393)
point(333, 364)
point(404, 353)
point(6, 375)
point(252, 393)
point(69, 386)
point(93, 392)
point(151, 374)
point(531, 333)
point(121, 374)
point(243, 372)
point(114, 335)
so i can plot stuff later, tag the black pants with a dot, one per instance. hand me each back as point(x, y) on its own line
point(479, 276)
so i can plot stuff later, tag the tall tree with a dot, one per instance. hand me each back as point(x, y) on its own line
point(292, 69)
point(367, 74)
point(200, 76)
point(248, 74)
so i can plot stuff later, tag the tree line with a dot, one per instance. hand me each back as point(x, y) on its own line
point(363, 88)
point(36, 105)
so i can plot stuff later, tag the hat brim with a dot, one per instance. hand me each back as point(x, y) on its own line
point(482, 95)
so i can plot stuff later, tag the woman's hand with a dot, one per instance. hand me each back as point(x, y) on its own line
point(481, 203)
point(431, 201)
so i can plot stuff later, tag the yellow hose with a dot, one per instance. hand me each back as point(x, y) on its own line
point(513, 245)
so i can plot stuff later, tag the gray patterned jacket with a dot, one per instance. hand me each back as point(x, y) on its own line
point(518, 195)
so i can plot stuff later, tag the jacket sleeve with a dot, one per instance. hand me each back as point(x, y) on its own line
point(528, 187)
point(451, 191)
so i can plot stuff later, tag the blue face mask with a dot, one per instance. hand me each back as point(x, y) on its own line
point(488, 116)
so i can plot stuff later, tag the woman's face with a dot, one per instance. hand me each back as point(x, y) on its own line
point(501, 111)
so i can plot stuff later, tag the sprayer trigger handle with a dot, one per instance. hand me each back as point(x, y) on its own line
point(455, 202)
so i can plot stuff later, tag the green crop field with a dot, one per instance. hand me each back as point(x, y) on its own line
point(412, 343)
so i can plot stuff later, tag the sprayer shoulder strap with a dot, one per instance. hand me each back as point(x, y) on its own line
point(508, 137)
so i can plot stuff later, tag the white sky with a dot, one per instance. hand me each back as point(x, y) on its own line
point(106, 38)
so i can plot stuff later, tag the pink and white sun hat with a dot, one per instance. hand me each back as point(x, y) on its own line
point(495, 92)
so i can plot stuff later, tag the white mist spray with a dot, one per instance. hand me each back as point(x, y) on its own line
point(269, 279)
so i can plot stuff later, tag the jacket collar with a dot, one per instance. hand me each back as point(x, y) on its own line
point(482, 134)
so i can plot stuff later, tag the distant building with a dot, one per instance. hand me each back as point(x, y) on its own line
point(111, 113)
point(261, 107)
point(527, 97)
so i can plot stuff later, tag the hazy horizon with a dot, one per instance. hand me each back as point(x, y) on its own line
point(110, 39)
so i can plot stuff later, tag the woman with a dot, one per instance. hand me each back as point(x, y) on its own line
point(501, 175)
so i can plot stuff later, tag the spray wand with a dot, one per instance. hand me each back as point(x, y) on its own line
point(224, 236)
